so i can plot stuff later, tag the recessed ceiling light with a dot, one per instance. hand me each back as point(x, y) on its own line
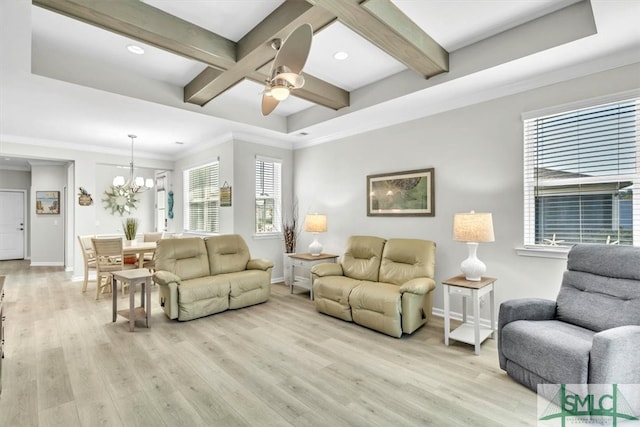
point(135, 49)
point(340, 55)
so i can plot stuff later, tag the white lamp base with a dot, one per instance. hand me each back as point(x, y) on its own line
point(315, 248)
point(472, 267)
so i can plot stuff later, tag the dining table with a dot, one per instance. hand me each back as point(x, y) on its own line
point(140, 249)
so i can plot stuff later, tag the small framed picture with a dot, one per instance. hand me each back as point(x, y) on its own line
point(48, 202)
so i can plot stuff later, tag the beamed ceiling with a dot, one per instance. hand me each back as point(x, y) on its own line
point(380, 22)
point(64, 62)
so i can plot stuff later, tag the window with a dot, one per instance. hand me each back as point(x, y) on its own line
point(202, 204)
point(582, 183)
point(268, 195)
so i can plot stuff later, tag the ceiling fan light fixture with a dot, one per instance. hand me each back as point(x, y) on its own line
point(279, 92)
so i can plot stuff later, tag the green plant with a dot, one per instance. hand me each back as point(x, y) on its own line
point(130, 227)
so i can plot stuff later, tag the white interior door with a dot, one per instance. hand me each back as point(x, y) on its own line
point(12, 225)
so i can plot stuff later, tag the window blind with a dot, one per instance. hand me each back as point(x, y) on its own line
point(268, 195)
point(581, 175)
point(202, 188)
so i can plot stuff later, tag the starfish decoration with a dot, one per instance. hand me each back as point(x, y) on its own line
point(609, 242)
point(553, 241)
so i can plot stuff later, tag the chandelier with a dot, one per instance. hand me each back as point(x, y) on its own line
point(132, 185)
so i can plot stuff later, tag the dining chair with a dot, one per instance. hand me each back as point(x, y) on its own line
point(109, 258)
point(88, 256)
point(150, 259)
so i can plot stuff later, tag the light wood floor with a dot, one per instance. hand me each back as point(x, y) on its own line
point(277, 363)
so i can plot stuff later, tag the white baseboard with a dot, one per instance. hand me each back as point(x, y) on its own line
point(47, 264)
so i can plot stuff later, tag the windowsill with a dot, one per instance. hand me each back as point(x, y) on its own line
point(267, 236)
point(557, 252)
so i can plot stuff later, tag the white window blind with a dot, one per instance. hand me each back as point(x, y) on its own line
point(202, 204)
point(581, 179)
point(268, 195)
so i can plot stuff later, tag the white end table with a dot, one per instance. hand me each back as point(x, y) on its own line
point(306, 261)
point(469, 332)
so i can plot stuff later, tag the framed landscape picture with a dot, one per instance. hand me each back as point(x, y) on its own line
point(410, 193)
point(48, 202)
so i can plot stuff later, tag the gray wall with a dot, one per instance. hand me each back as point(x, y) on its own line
point(237, 167)
point(477, 153)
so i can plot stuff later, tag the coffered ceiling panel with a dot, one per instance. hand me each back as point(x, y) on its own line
point(82, 76)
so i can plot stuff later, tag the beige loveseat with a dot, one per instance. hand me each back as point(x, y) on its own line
point(384, 285)
point(198, 277)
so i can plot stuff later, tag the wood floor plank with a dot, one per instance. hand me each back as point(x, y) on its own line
point(279, 363)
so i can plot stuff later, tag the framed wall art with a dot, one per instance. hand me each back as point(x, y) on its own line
point(409, 193)
point(48, 202)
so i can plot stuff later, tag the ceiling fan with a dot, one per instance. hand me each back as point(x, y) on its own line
point(286, 70)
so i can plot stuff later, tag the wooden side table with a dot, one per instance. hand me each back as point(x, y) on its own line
point(470, 333)
point(306, 261)
point(132, 278)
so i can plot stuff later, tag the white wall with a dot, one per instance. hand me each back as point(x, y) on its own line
point(237, 168)
point(478, 158)
point(47, 230)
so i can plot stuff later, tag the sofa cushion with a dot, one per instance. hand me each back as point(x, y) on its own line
point(331, 295)
point(376, 305)
point(202, 296)
point(248, 287)
point(406, 259)
point(227, 253)
point(553, 350)
point(362, 257)
point(186, 258)
point(597, 302)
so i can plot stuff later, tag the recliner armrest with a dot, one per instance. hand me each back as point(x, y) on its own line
point(327, 269)
point(259, 264)
point(165, 277)
point(614, 356)
point(418, 286)
point(522, 309)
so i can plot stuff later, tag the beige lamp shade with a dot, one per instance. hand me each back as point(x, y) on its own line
point(473, 227)
point(316, 223)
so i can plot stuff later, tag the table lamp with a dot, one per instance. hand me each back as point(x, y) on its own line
point(315, 223)
point(473, 228)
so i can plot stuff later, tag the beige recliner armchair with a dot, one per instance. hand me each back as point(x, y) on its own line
point(385, 285)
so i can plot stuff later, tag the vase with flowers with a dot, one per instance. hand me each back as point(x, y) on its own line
point(290, 236)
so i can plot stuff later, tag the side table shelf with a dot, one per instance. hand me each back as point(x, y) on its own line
point(306, 261)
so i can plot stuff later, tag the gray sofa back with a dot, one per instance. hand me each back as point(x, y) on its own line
point(601, 287)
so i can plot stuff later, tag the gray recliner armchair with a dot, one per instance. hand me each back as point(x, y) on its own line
point(590, 335)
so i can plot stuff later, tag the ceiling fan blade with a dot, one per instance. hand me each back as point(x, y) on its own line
point(295, 49)
point(269, 103)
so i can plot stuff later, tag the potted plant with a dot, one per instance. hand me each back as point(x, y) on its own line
point(130, 227)
point(290, 236)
